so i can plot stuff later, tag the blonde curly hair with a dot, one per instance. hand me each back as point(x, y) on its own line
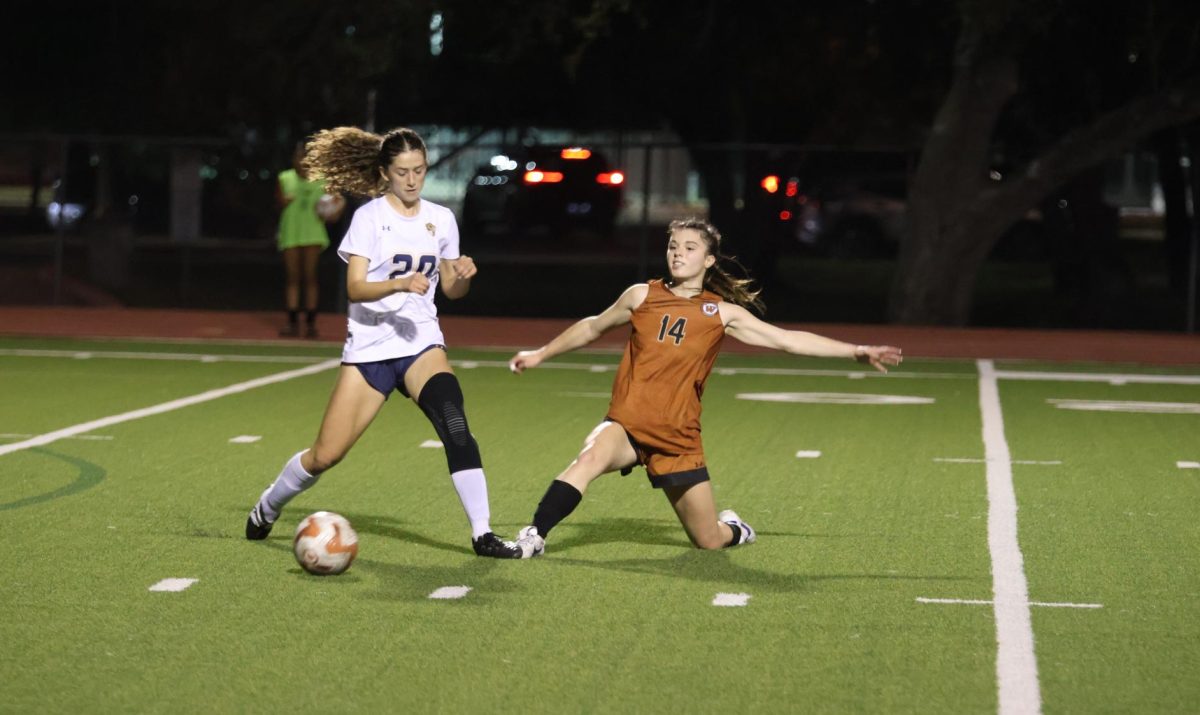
point(351, 160)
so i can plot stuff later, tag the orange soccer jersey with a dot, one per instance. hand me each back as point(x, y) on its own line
point(656, 393)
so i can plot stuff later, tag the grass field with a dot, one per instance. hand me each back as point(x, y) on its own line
point(890, 575)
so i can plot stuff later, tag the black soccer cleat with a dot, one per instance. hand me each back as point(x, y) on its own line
point(257, 526)
point(491, 545)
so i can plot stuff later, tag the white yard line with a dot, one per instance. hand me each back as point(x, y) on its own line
point(1118, 379)
point(130, 355)
point(1113, 378)
point(56, 435)
point(979, 602)
point(970, 460)
point(1016, 663)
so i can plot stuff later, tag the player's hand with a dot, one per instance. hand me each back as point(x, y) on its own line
point(524, 360)
point(414, 283)
point(878, 356)
point(464, 267)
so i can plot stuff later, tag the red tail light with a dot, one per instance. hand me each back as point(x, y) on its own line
point(543, 177)
point(575, 152)
point(613, 178)
point(770, 184)
point(785, 215)
point(793, 186)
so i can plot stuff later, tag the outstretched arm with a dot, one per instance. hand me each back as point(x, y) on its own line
point(583, 332)
point(743, 325)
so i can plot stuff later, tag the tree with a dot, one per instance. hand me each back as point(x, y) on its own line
point(960, 202)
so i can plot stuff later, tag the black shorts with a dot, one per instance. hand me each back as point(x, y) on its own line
point(388, 375)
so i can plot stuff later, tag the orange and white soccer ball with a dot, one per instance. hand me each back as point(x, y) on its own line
point(325, 543)
point(329, 207)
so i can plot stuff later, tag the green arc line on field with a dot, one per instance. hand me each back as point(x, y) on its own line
point(89, 476)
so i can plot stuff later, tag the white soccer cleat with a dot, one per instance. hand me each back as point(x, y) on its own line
point(729, 516)
point(530, 542)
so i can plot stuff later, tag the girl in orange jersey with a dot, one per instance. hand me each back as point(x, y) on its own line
point(654, 416)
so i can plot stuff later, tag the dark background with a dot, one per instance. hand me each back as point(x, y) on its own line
point(1010, 121)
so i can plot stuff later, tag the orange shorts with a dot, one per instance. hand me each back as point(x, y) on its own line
point(668, 470)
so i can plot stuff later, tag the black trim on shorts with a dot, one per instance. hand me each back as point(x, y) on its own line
point(679, 479)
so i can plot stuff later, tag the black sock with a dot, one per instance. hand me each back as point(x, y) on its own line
point(311, 318)
point(293, 318)
point(737, 535)
point(560, 500)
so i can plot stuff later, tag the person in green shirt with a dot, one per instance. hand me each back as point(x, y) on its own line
point(305, 209)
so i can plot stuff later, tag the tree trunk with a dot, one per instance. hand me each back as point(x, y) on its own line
point(958, 214)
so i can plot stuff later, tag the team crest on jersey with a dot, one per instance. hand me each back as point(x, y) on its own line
point(709, 308)
point(431, 229)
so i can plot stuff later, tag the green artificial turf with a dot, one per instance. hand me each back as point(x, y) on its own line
point(618, 615)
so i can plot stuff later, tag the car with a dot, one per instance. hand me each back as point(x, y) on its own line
point(543, 189)
point(837, 204)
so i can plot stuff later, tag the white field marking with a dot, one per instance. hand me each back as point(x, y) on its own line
point(173, 584)
point(965, 460)
point(468, 364)
point(608, 367)
point(731, 599)
point(95, 437)
point(245, 439)
point(1098, 377)
point(1016, 663)
point(128, 355)
point(834, 398)
point(973, 602)
point(808, 454)
point(1188, 465)
point(605, 395)
point(432, 444)
point(857, 375)
point(81, 428)
point(450, 592)
point(1161, 408)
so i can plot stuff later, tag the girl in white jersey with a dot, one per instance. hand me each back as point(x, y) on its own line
point(398, 249)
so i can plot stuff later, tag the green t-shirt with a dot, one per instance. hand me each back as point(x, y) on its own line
point(299, 224)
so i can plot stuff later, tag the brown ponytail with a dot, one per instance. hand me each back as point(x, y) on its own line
point(349, 159)
point(717, 279)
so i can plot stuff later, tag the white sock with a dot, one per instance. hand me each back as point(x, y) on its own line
point(472, 491)
point(290, 482)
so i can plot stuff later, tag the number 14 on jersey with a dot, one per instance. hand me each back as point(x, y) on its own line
point(675, 331)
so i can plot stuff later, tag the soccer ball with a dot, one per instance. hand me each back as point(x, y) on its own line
point(325, 543)
point(329, 206)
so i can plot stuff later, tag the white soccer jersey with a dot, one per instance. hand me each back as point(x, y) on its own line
point(400, 324)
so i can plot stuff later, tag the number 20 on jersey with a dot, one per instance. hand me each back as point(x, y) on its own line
point(404, 263)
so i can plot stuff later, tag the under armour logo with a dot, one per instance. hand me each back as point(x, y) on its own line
point(385, 228)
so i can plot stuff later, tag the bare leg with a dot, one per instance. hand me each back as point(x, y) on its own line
point(605, 450)
point(291, 291)
point(697, 512)
point(352, 407)
point(309, 258)
point(291, 270)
